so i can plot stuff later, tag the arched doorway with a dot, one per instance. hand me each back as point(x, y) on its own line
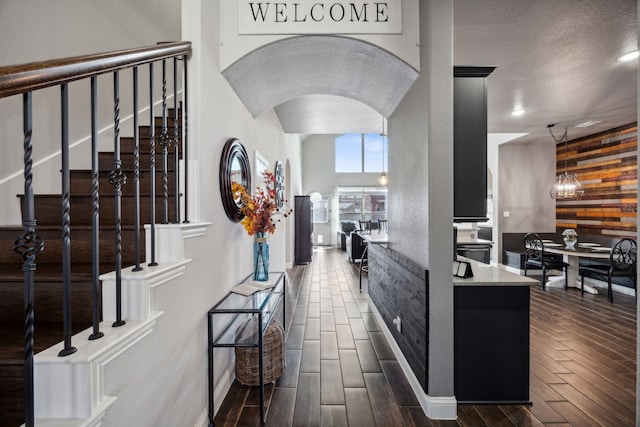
point(296, 67)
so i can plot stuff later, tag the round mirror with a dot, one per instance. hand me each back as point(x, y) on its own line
point(234, 168)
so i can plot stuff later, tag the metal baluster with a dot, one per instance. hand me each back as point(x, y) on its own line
point(185, 134)
point(152, 167)
point(95, 212)
point(117, 178)
point(176, 169)
point(210, 368)
point(261, 364)
point(165, 142)
point(136, 169)
point(28, 245)
point(66, 226)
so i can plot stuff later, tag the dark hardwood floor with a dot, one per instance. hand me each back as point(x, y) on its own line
point(341, 371)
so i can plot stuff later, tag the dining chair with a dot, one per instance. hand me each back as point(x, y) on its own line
point(536, 257)
point(365, 226)
point(364, 265)
point(622, 263)
point(383, 226)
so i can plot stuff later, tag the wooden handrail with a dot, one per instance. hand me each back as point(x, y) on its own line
point(17, 79)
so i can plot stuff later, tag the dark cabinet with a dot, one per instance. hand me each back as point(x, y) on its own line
point(303, 230)
point(491, 342)
point(470, 143)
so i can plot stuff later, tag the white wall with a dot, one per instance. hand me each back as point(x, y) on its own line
point(526, 173)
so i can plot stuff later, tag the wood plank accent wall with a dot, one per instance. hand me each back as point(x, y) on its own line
point(400, 287)
point(606, 165)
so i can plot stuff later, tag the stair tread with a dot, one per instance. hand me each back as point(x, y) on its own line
point(73, 227)
point(45, 335)
point(80, 195)
point(45, 271)
point(106, 172)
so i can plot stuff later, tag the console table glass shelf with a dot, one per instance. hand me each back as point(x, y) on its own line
point(229, 319)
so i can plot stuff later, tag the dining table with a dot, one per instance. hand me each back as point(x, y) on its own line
point(572, 255)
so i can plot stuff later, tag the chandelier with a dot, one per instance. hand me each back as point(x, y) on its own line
point(567, 185)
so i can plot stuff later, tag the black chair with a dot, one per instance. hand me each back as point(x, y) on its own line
point(364, 264)
point(383, 226)
point(346, 228)
point(536, 257)
point(622, 263)
point(365, 226)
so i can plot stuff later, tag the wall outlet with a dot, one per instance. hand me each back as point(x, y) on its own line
point(398, 323)
point(505, 214)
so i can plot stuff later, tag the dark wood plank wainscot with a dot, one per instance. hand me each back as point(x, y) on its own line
point(491, 325)
point(399, 286)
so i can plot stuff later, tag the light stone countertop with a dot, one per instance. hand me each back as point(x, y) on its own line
point(468, 241)
point(489, 275)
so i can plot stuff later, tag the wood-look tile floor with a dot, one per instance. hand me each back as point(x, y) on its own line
point(341, 371)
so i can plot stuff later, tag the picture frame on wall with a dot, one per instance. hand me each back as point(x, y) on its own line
point(279, 188)
point(262, 164)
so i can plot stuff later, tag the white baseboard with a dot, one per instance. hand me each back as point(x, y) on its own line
point(603, 286)
point(436, 408)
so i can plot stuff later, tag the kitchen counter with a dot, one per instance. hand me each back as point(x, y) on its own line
point(489, 275)
point(469, 241)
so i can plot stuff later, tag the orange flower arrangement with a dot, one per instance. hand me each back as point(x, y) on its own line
point(260, 209)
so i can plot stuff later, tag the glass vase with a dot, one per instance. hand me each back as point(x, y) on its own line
point(570, 242)
point(260, 258)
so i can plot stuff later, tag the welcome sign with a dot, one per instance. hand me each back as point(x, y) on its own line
point(320, 17)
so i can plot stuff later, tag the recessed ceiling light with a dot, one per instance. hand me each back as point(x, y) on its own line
point(628, 56)
point(588, 123)
point(517, 112)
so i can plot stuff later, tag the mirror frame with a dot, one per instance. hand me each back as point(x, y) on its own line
point(233, 150)
point(278, 184)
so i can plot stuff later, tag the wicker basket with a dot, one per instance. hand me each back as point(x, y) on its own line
point(247, 358)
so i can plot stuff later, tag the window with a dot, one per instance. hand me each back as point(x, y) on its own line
point(357, 153)
point(362, 203)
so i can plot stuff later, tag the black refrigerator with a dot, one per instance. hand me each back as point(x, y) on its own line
point(304, 230)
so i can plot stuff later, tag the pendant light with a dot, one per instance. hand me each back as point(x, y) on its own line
point(383, 180)
point(567, 185)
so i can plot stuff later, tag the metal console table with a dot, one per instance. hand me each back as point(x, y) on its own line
point(230, 314)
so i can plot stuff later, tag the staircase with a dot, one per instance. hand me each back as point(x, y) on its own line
point(48, 274)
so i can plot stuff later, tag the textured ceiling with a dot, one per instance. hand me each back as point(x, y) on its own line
point(316, 114)
point(296, 67)
point(554, 58)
